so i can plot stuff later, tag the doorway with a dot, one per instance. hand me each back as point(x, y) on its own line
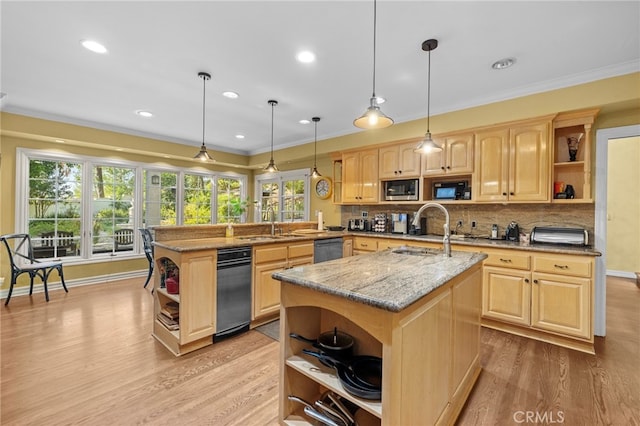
point(603, 136)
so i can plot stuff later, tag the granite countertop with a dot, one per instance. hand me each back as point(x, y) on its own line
point(195, 244)
point(486, 242)
point(385, 279)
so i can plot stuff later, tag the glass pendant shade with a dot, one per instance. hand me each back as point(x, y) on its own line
point(427, 145)
point(373, 117)
point(271, 167)
point(203, 155)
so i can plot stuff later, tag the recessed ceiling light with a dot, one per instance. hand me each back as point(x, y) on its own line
point(230, 95)
point(503, 63)
point(145, 114)
point(93, 46)
point(59, 141)
point(306, 57)
point(304, 121)
point(239, 136)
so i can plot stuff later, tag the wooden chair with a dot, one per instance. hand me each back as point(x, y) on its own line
point(22, 261)
point(123, 239)
point(147, 240)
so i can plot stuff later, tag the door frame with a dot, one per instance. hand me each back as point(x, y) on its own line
point(600, 238)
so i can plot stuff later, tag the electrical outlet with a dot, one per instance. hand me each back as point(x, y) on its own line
point(365, 214)
point(459, 223)
point(473, 224)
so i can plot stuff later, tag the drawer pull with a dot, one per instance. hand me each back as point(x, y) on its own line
point(561, 266)
point(505, 260)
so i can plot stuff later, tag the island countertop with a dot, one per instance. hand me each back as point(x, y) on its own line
point(385, 279)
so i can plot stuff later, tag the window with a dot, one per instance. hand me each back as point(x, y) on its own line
point(230, 205)
point(285, 195)
point(198, 196)
point(112, 208)
point(54, 219)
point(160, 198)
point(81, 208)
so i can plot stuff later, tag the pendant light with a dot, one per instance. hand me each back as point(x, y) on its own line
point(373, 117)
point(203, 155)
point(427, 145)
point(271, 167)
point(315, 173)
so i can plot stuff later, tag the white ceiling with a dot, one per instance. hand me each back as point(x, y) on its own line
point(156, 50)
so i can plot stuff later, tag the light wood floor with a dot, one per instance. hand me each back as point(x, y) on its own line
point(87, 358)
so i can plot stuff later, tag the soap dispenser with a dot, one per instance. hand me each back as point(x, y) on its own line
point(229, 232)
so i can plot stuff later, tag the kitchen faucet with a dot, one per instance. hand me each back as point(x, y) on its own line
point(273, 220)
point(446, 241)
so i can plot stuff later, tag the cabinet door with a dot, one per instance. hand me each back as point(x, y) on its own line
point(347, 247)
point(561, 304)
point(388, 158)
point(459, 155)
point(351, 177)
point(369, 176)
point(529, 166)
point(197, 296)
point(408, 160)
point(266, 290)
point(433, 162)
point(506, 295)
point(491, 165)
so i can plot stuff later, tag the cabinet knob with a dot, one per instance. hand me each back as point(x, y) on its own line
point(511, 193)
point(448, 167)
point(526, 280)
point(442, 167)
point(504, 193)
point(535, 281)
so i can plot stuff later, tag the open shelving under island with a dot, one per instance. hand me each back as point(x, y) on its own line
point(415, 308)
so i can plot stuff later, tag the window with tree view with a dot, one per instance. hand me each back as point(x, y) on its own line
point(55, 189)
point(112, 209)
point(160, 202)
point(231, 206)
point(198, 191)
point(283, 196)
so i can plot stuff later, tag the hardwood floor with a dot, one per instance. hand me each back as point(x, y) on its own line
point(87, 357)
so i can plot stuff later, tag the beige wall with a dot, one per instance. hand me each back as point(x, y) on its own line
point(623, 205)
point(618, 98)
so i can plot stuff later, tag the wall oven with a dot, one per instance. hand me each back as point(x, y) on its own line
point(401, 190)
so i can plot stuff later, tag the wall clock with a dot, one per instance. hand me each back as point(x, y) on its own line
point(323, 187)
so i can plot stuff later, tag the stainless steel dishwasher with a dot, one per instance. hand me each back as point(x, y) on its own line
point(233, 307)
point(327, 249)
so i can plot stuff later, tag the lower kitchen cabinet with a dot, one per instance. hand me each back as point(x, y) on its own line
point(268, 259)
point(430, 352)
point(541, 296)
point(196, 300)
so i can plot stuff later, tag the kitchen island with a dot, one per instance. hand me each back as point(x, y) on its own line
point(415, 308)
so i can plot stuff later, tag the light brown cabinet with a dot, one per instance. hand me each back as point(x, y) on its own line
point(360, 176)
point(513, 163)
point(456, 157)
point(541, 296)
point(197, 299)
point(399, 161)
point(267, 260)
point(445, 357)
point(577, 171)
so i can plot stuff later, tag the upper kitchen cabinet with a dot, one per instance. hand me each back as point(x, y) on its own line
point(455, 158)
point(360, 176)
point(399, 161)
point(572, 157)
point(512, 163)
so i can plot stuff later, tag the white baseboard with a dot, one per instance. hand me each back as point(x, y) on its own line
point(57, 285)
point(621, 274)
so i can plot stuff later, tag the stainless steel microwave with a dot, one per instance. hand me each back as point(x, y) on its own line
point(401, 190)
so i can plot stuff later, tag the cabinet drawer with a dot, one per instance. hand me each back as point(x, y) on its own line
point(563, 265)
point(270, 254)
point(365, 244)
point(508, 260)
point(299, 250)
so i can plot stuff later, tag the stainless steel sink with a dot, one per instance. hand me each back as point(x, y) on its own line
point(415, 251)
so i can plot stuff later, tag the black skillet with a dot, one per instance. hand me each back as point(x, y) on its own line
point(361, 376)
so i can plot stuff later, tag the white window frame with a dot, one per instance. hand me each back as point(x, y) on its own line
point(21, 206)
point(281, 177)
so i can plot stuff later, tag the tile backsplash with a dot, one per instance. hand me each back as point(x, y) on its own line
point(527, 216)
